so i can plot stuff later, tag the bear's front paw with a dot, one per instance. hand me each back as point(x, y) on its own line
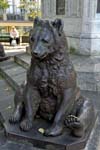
point(26, 125)
point(54, 130)
point(75, 125)
point(15, 118)
point(73, 122)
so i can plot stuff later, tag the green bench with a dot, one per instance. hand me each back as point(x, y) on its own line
point(4, 37)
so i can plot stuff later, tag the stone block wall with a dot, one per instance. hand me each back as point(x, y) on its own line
point(81, 23)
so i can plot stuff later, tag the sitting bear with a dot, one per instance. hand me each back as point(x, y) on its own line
point(50, 90)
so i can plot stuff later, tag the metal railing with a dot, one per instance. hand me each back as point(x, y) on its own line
point(15, 17)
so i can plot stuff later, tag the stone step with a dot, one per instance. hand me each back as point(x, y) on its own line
point(87, 68)
point(23, 60)
point(13, 73)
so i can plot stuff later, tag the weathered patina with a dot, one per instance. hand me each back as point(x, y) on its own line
point(51, 91)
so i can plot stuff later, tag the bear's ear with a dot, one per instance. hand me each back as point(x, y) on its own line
point(58, 24)
point(37, 21)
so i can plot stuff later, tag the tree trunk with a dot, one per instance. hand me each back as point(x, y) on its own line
point(4, 15)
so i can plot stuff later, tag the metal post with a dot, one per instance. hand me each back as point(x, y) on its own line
point(13, 3)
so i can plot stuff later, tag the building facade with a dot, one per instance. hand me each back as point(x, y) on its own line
point(19, 14)
point(18, 10)
point(81, 23)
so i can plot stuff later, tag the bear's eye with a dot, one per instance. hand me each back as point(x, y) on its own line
point(32, 38)
point(44, 41)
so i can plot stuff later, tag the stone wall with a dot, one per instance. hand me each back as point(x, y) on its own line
point(72, 18)
point(82, 24)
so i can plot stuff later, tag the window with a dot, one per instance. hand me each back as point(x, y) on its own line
point(98, 6)
point(60, 7)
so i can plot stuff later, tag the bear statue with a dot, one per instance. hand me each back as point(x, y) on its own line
point(51, 91)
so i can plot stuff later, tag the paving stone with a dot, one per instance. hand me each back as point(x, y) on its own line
point(3, 83)
point(4, 94)
point(2, 139)
point(10, 145)
point(95, 97)
point(94, 140)
point(6, 99)
point(6, 91)
point(6, 103)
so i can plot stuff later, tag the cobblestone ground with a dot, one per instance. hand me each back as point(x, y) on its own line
point(12, 145)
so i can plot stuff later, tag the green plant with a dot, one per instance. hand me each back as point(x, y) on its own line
point(4, 4)
point(72, 50)
point(31, 8)
point(34, 13)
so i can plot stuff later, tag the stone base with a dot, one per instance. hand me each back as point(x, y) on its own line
point(63, 142)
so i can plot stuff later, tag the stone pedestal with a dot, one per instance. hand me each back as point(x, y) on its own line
point(63, 142)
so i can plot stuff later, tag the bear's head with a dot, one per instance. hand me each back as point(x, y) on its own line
point(46, 38)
